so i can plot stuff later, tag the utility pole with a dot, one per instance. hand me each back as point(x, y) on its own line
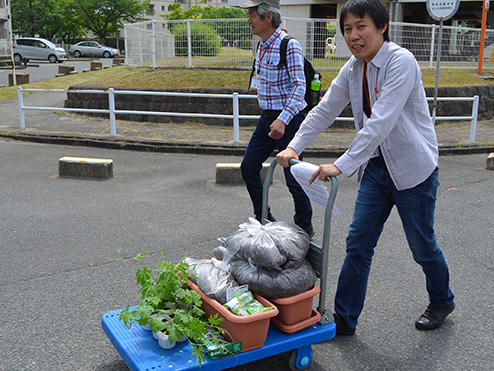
point(485, 9)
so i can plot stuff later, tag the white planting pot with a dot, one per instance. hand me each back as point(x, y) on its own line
point(163, 340)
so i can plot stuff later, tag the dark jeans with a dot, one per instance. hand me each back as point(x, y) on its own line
point(376, 197)
point(259, 149)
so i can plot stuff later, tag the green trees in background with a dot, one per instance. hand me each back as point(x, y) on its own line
point(206, 39)
point(71, 19)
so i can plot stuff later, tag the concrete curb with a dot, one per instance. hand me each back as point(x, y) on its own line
point(201, 149)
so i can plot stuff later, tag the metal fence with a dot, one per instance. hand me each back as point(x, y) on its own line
point(235, 116)
point(228, 43)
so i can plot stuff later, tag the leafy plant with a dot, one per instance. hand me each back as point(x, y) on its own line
point(204, 39)
point(176, 308)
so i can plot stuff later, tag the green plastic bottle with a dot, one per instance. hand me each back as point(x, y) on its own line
point(315, 91)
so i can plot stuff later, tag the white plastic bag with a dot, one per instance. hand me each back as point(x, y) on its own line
point(211, 279)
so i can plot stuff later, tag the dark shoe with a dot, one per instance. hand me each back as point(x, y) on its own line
point(433, 317)
point(309, 230)
point(270, 218)
point(341, 326)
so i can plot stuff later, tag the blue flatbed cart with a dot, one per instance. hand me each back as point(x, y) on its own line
point(141, 352)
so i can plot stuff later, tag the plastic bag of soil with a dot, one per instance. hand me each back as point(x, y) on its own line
point(273, 283)
point(277, 245)
point(270, 259)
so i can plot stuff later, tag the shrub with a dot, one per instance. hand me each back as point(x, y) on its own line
point(205, 40)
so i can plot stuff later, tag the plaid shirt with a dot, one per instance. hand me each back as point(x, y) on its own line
point(281, 88)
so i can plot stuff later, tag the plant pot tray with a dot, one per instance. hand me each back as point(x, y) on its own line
point(141, 352)
point(290, 329)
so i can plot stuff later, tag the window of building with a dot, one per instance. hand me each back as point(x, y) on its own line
point(150, 10)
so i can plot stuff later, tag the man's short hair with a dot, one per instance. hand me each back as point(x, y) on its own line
point(263, 10)
point(374, 8)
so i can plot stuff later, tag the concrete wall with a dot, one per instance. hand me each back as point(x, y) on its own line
point(248, 106)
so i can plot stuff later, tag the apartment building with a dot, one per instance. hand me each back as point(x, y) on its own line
point(410, 11)
point(5, 46)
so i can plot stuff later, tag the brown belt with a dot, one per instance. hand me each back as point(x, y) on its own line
point(271, 113)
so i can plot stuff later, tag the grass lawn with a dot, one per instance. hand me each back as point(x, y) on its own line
point(166, 78)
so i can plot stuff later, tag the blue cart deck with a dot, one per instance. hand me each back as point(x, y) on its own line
point(141, 351)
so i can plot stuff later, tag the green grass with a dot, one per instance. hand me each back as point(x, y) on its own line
point(166, 78)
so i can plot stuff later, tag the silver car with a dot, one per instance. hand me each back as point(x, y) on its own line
point(26, 48)
point(92, 49)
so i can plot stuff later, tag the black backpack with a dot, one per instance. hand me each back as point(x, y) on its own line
point(309, 71)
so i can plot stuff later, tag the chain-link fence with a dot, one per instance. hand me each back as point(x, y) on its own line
point(228, 43)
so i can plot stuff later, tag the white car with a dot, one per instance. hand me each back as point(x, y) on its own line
point(26, 48)
point(92, 49)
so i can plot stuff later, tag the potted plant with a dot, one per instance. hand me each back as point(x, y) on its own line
point(170, 307)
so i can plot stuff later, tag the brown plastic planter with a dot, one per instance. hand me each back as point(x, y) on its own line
point(290, 329)
point(250, 330)
point(297, 308)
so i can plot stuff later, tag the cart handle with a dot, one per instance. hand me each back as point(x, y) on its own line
point(269, 178)
point(318, 256)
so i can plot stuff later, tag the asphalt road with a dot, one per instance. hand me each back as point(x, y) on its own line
point(41, 70)
point(57, 235)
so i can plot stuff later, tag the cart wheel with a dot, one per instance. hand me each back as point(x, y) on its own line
point(300, 358)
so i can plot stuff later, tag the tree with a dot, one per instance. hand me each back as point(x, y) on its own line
point(31, 16)
point(67, 25)
point(210, 12)
point(229, 32)
point(176, 12)
point(106, 17)
point(235, 34)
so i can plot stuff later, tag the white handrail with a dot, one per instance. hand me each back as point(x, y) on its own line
point(235, 116)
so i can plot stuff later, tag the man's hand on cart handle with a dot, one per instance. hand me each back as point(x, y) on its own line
point(324, 172)
point(285, 156)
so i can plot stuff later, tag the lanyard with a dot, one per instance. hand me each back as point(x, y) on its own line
point(265, 51)
point(366, 91)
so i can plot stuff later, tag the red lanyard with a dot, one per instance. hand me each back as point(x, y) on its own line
point(265, 51)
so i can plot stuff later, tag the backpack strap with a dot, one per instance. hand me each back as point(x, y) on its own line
point(283, 47)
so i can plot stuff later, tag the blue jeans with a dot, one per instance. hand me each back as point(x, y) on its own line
point(259, 149)
point(376, 197)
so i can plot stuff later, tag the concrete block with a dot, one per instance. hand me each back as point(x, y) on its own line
point(490, 162)
point(118, 61)
point(20, 79)
point(230, 172)
point(79, 167)
point(95, 66)
point(65, 70)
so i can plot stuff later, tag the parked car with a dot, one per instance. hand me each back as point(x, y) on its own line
point(26, 48)
point(92, 49)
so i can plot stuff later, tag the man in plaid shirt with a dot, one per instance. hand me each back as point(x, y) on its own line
point(280, 92)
